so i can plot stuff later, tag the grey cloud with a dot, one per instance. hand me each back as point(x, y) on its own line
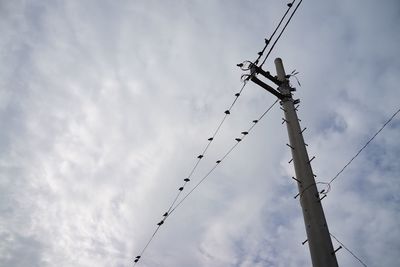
point(105, 105)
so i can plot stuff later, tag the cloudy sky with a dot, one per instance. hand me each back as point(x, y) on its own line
point(105, 106)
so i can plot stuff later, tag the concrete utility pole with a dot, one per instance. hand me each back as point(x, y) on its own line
point(319, 240)
point(318, 237)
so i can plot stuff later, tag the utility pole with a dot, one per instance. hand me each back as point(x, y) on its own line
point(318, 237)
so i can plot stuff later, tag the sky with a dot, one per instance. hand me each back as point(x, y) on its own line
point(105, 106)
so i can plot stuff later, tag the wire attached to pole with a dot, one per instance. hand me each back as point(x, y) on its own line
point(328, 184)
point(354, 255)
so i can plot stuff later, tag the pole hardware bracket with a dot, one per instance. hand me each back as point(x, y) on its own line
point(267, 75)
point(254, 70)
point(319, 200)
point(296, 179)
point(290, 146)
point(267, 87)
point(311, 159)
point(336, 250)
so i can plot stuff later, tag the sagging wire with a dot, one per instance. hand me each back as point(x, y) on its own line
point(227, 112)
point(354, 255)
point(187, 179)
point(174, 208)
point(211, 139)
point(366, 144)
point(217, 163)
point(328, 184)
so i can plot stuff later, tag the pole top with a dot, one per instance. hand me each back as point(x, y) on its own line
point(278, 59)
point(280, 70)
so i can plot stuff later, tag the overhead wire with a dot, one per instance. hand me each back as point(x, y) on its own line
point(346, 248)
point(230, 150)
point(238, 140)
point(364, 146)
point(328, 184)
point(280, 34)
point(171, 207)
point(267, 41)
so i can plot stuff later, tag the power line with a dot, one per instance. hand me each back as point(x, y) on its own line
point(267, 41)
point(245, 133)
point(366, 144)
point(200, 157)
point(211, 139)
point(357, 258)
point(174, 208)
point(280, 34)
point(328, 184)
